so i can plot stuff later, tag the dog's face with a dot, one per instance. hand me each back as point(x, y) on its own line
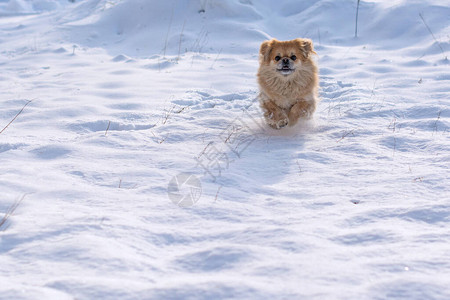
point(285, 57)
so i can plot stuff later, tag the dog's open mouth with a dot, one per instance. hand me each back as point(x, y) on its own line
point(285, 70)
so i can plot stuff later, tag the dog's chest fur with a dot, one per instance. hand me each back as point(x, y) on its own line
point(286, 91)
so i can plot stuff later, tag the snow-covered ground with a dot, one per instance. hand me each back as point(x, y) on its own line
point(127, 97)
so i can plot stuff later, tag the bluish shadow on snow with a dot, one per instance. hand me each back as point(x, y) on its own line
point(51, 152)
point(408, 289)
point(213, 260)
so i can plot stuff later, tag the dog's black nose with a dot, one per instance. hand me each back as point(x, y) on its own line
point(285, 61)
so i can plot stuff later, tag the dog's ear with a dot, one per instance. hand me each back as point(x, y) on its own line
point(265, 50)
point(306, 47)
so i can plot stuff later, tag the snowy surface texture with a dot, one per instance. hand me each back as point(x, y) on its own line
point(127, 95)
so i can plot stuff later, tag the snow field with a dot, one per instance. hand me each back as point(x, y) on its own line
point(128, 94)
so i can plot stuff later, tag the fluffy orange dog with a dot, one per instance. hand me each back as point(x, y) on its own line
point(288, 81)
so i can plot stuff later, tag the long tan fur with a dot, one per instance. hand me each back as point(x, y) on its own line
point(285, 98)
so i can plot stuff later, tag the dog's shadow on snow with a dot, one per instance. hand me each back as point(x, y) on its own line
point(262, 159)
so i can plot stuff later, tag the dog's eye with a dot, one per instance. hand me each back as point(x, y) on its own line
point(293, 57)
point(277, 58)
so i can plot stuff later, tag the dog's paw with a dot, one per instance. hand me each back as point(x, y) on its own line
point(301, 110)
point(275, 116)
point(282, 123)
point(278, 124)
point(306, 113)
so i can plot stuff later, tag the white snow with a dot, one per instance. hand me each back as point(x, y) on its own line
point(126, 95)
